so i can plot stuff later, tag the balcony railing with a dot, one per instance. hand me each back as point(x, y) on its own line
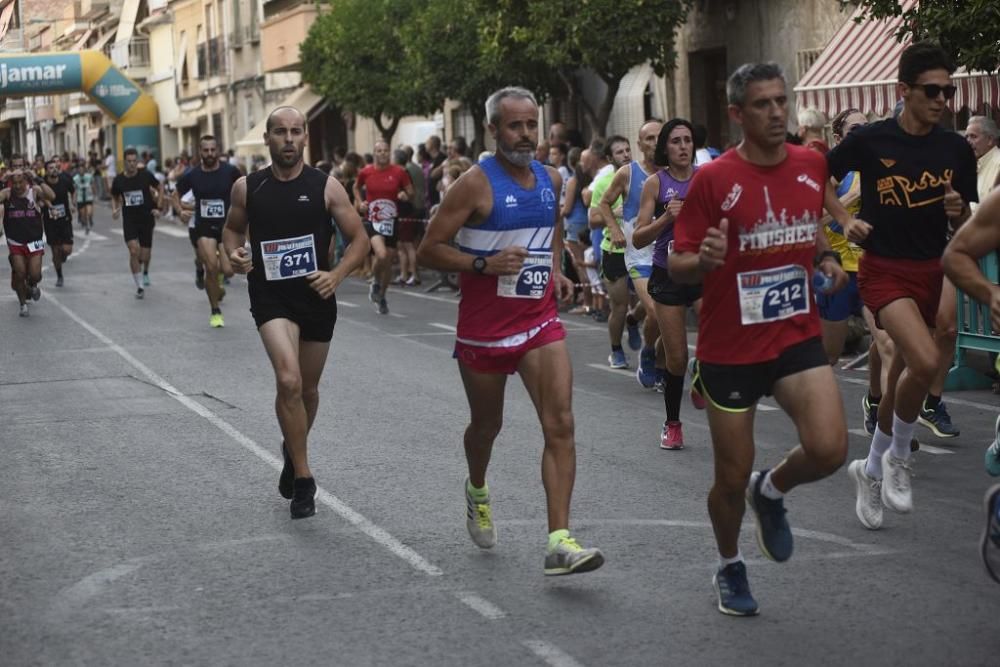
point(132, 54)
point(211, 58)
point(13, 40)
point(12, 109)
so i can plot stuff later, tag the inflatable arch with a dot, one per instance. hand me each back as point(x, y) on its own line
point(92, 73)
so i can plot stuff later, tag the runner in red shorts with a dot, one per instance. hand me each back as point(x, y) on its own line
point(749, 231)
point(503, 215)
point(917, 179)
point(21, 215)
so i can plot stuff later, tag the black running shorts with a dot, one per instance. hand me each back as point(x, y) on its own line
point(139, 231)
point(665, 291)
point(315, 325)
point(737, 388)
point(59, 232)
point(613, 266)
point(390, 241)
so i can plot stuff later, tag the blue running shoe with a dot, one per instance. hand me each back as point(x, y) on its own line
point(990, 541)
point(938, 421)
point(773, 534)
point(733, 591)
point(634, 337)
point(870, 411)
point(617, 359)
point(993, 453)
point(646, 374)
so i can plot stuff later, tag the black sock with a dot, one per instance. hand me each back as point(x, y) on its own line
point(631, 321)
point(873, 400)
point(931, 401)
point(59, 271)
point(216, 311)
point(673, 388)
point(616, 348)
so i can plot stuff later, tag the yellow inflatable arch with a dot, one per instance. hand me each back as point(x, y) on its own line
point(89, 72)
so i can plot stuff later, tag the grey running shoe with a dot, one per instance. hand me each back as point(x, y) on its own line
point(140, 293)
point(570, 558)
point(479, 521)
point(36, 293)
point(383, 307)
point(24, 311)
point(990, 541)
point(59, 281)
point(868, 490)
point(897, 491)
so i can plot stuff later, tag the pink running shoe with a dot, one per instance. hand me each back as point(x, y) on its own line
point(672, 437)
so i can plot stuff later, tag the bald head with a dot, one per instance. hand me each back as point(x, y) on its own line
point(287, 114)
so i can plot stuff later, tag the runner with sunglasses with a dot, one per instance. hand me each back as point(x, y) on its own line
point(917, 180)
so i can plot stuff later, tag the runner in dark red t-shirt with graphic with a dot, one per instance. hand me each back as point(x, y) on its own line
point(749, 231)
point(378, 190)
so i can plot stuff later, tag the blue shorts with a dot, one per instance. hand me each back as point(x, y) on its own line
point(571, 230)
point(641, 271)
point(838, 306)
point(596, 236)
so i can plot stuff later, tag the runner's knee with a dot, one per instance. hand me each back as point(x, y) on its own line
point(289, 385)
point(484, 430)
point(558, 427)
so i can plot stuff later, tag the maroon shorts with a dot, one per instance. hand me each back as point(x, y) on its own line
point(409, 229)
point(26, 249)
point(883, 280)
point(506, 358)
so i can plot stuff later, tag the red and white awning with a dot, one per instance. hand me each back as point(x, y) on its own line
point(859, 69)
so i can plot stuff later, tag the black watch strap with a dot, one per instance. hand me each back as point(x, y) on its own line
point(479, 264)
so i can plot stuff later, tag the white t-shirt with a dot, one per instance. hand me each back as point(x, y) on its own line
point(592, 277)
point(702, 156)
point(111, 166)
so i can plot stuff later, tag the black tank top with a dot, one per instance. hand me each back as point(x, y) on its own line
point(58, 210)
point(290, 232)
point(22, 221)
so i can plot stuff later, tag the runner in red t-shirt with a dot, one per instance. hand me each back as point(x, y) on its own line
point(378, 190)
point(749, 231)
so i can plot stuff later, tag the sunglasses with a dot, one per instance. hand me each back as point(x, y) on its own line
point(932, 90)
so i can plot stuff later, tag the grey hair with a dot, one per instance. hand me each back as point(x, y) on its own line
point(814, 119)
point(987, 125)
point(515, 92)
point(736, 86)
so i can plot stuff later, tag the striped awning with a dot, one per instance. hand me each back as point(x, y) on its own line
point(859, 69)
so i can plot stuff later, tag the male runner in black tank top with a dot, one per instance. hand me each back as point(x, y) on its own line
point(286, 211)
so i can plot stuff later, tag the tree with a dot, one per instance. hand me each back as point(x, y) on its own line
point(444, 42)
point(608, 37)
point(353, 55)
point(969, 30)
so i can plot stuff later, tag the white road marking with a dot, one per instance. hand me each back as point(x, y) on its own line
point(550, 653)
point(950, 398)
point(347, 304)
point(431, 297)
point(92, 235)
point(423, 333)
point(480, 605)
point(402, 317)
point(924, 447)
point(375, 532)
point(446, 327)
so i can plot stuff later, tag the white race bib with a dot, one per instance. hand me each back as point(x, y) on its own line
point(58, 211)
point(382, 214)
point(530, 282)
point(213, 209)
point(133, 198)
point(384, 227)
point(773, 294)
point(289, 258)
point(634, 256)
point(35, 246)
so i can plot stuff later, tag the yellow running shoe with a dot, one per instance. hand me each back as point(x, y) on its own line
point(216, 321)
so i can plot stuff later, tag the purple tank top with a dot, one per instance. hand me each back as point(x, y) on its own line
point(670, 188)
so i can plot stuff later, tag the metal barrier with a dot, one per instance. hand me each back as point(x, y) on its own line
point(974, 333)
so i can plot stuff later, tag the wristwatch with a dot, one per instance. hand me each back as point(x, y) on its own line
point(829, 253)
point(479, 264)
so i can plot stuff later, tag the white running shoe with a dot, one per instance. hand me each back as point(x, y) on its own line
point(479, 521)
point(868, 506)
point(897, 490)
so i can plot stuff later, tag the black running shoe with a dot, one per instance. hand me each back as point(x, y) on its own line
point(303, 498)
point(287, 479)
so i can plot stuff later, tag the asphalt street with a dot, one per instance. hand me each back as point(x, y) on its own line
point(140, 521)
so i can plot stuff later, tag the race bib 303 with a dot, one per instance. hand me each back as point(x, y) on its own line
point(530, 282)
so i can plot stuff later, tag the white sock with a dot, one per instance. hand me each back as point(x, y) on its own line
point(768, 490)
point(137, 277)
point(880, 442)
point(723, 562)
point(902, 433)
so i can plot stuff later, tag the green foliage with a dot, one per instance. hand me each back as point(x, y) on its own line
point(968, 30)
point(354, 54)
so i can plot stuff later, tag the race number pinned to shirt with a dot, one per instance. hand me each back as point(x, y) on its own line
point(133, 198)
point(58, 211)
point(382, 214)
point(530, 282)
point(773, 294)
point(213, 209)
point(289, 258)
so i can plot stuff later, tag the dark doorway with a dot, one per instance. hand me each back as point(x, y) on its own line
point(708, 72)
